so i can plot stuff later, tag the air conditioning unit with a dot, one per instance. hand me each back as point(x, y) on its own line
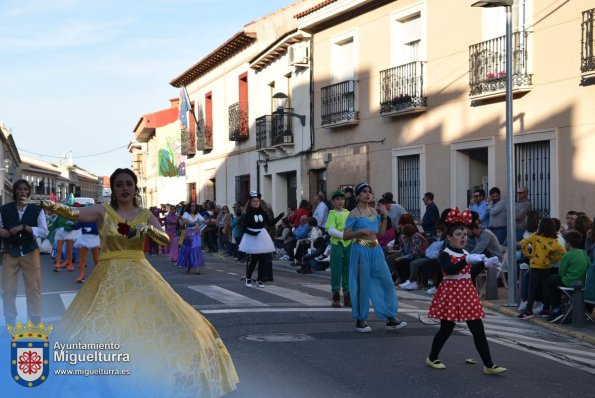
point(298, 54)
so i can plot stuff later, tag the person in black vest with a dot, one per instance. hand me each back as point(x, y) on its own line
point(19, 226)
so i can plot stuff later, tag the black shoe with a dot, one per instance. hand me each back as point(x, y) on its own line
point(395, 324)
point(555, 317)
point(362, 327)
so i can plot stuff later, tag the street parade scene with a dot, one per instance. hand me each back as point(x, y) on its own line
point(338, 198)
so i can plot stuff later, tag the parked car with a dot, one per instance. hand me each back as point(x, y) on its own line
point(84, 201)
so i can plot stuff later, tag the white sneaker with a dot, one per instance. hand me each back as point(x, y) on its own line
point(431, 290)
point(259, 284)
point(522, 306)
point(412, 286)
point(248, 282)
point(405, 285)
point(537, 307)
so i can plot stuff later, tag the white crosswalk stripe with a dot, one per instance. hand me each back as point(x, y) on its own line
point(296, 295)
point(225, 296)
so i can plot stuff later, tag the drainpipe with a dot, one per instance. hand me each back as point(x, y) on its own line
point(258, 175)
point(311, 94)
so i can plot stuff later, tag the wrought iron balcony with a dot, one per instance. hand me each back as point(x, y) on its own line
point(487, 65)
point(238, 121)
point(272, 130)
point(588, 42)
point(204, 136)
point(263, 132)
point(402, 90)
point(339, 104)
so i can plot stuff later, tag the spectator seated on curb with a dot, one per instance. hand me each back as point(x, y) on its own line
point(428, 265)
point(303, 245)
point(573, 267)
point(310, 260)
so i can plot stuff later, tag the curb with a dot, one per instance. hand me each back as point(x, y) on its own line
point(576, 333)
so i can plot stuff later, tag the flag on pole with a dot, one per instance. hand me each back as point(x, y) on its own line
point(188, 127)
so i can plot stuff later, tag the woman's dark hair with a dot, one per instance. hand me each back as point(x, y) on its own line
point(112, 181)
point(409, 229)
point(304, 204)
point(406, 219)
point(583, 224)
point(547, 228)
point(575, 239)
point(188, 208)
point(16, 186)
point(533, 221)
point(557, 223)
point(312, 222)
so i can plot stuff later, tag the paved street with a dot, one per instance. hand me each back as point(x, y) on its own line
point(286, 340)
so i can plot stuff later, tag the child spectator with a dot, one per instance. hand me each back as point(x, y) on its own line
point(544, 249)
point(573, 267)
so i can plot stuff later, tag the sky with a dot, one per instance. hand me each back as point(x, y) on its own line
point(76, 76)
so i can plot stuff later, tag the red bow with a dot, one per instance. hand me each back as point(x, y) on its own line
point(455, 216)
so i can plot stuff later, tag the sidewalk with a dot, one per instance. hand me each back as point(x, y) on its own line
point(586, 334)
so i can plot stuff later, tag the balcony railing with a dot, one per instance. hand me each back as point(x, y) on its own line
point(204, 136)
point(402, 89)
point(487, 64)
point(338, 103)
point(263, 132)
point(238, 121)
point(588, 42)
point(273, 130)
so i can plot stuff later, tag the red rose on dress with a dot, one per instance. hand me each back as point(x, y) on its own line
point(123, 228)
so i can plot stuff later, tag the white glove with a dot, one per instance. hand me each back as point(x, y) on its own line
point(141, 227)
point(493, 262)
point(475, 258)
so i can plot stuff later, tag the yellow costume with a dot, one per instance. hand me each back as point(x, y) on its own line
point(174, 350)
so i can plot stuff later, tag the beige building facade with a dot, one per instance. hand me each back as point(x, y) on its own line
point(409, 96)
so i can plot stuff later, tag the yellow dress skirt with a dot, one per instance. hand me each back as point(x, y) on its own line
point(173, 350)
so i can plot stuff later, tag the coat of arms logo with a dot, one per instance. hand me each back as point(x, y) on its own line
point(29, 353)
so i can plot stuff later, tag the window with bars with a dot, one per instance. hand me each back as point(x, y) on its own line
point(408, 185)
point(587, 41)
point(532, 169)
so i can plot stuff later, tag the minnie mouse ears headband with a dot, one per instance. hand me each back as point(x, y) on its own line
point(254, 194)
point(455, 216)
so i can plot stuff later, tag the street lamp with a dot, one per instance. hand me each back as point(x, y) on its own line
point(280, 100)
point(510, 190)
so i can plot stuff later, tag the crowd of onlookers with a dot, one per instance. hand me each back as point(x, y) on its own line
point(550, 253)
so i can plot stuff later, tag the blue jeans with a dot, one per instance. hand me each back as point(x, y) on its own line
point(500, 233)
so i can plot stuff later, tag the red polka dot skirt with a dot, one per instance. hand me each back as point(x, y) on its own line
point(456, 300)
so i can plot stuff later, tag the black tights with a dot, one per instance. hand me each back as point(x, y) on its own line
point(479, 338)
point(255, 259)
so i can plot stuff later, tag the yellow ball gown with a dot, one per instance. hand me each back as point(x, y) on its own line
point(173, 349)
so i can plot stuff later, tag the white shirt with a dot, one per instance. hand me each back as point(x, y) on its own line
point(41, 230)
point(321, 214)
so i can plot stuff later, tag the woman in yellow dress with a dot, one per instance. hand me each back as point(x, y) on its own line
point(173, 350)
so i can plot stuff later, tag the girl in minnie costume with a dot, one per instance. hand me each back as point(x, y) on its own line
point(456, 299)
point(256, 240)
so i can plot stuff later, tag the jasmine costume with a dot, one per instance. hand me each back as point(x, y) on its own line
point(369, 278)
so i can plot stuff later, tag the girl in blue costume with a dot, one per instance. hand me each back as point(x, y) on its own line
point(369, 277)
